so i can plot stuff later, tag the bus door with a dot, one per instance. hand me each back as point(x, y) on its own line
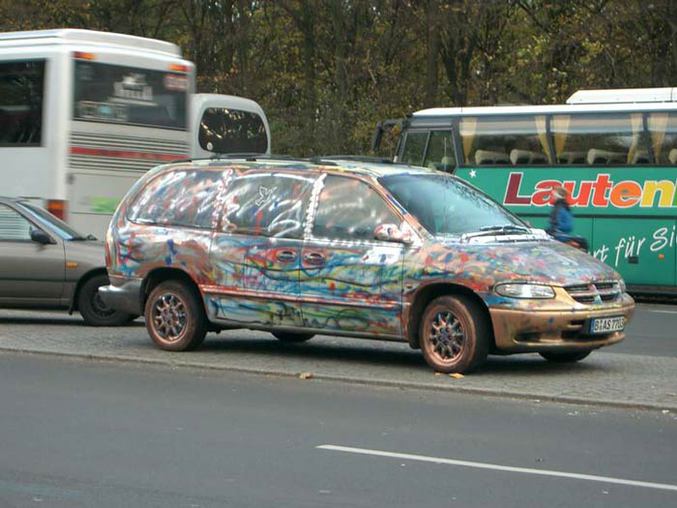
point(433, 149)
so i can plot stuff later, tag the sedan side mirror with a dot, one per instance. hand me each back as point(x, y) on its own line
point(392, 233)
point(39, 236)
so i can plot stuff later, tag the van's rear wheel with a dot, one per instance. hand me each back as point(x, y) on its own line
point(454, 334)
point(560, 357)
point(175, 318)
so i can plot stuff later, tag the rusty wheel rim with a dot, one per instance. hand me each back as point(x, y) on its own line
point(169, 317)
point(446, 337)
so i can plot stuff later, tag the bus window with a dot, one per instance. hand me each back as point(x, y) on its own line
point(224, 130)
point(129, 95)
point(414, 146)
point(516, 140)
point(600, 139)
point(440, 153)
point(663, 132)
point(21, 92)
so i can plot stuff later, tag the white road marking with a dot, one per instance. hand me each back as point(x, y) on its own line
point(498, 467)
point(661, 311)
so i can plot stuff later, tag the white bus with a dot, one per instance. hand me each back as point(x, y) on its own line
point(83, 114)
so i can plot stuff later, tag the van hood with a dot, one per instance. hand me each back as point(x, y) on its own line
point(547, 261)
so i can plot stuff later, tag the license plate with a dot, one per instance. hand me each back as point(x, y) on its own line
point(607, 324)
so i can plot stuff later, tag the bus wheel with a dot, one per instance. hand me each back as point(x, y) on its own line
point(292, 337)
point(454, 334)
point(175, 318)
point(92, 308)
point(561, 357)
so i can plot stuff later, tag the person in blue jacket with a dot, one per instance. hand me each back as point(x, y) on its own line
point(561, 219)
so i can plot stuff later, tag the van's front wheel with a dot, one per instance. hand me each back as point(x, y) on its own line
point(175, 318)
point(454, 334)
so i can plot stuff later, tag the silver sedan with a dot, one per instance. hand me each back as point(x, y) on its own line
point(45, 264)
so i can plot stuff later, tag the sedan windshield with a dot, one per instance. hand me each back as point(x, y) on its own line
point(446, 206)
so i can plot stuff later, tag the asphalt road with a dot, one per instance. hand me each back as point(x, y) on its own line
point(652, 331)
point(76, 433)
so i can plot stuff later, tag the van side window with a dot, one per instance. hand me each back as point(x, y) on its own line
point(349, 209)
point(13, 226)
point(267, 204)
point(224, 130)
point(178, 198)
point(21, 99)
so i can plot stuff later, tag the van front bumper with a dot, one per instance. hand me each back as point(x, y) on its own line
point(125, 297)
point(540, 330)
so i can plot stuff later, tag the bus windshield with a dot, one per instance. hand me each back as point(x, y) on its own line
point(446, 206)
point(129, 95)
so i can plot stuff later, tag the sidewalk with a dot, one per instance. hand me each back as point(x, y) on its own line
point(611, 379)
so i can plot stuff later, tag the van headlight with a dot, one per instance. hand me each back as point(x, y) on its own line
point(621, 285)
point(525, 290)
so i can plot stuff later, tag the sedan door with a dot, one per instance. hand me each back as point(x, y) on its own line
point(30, 272)
point(351, 282)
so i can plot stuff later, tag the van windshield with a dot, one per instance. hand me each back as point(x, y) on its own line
point(446, 206)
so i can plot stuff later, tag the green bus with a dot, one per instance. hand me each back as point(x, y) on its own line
point(615, 151)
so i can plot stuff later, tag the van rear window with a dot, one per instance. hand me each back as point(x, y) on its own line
point(178, 198)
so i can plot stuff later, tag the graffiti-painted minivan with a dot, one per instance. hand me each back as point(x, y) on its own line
point(378, 251)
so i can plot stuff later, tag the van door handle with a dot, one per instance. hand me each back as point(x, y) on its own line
point(314, 258)
point(285, 256)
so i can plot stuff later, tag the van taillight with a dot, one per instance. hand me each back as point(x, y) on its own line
point(57, 207)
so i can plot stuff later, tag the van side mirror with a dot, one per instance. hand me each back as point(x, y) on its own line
point(392, 233)
point(39, 236)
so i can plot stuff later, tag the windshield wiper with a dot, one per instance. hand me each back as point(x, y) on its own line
point(505, 229)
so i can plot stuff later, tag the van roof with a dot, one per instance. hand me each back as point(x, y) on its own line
point(89, 37)
point(336, 166)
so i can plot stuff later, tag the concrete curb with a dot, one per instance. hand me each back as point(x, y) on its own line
point(357, 380)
